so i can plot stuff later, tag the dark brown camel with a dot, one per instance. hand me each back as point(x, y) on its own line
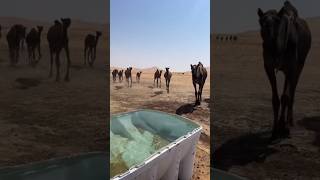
point(114, 75)
point(199, 76)
point(167, 76)
point(33, 41)
point(157, 76)
point(138, 76)
point(120, 75)
point(58, 39)
point(286, 43)
point(90, 46)
point(14, 37)
point(128, 76)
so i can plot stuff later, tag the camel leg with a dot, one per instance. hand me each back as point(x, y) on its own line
point(160, 82)
point(284, 105)
point(58, 66)
point(275, 99)
point(293, 84)
point(51, 62)
point(200, 92)
point(39, 51)
point(68, 63)
point(195, 93)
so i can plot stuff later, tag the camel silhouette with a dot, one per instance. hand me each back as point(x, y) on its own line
point(167, 76)
point(120, 75)
point(199, 76)
point(33, 41)
point(138, 76)
point(90, 46)
point(58, 39)
point(14, 37)
point(286, 44)
point(157, 76)
point(128, 76)
point(114, 75)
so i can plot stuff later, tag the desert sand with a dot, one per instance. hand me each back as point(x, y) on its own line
point(42, 119)
point(243, 113)
point(180, 100)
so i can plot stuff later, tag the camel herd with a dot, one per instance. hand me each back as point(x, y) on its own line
point(199, 76)
point(226, 38)
point(58, 40)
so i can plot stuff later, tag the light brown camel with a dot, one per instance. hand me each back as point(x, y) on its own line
point(33, 41)
point(58, 39)
point(157, 75)
point(167, 76)
point(138, 76)
point(90, 46)
point(128, 76)
point(14, 37)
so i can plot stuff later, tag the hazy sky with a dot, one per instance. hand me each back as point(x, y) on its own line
point(237, 16)
point(47, 10)
point(147, 33)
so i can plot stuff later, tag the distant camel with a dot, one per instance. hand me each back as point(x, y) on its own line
point(138, 76)
point(235, 38)
point(157, 75)
point(114, 75)
point(120, 75)
point(199, 76)
point(58, 39)
point(167, 76)
point(286, 44)
point(14, 37)
point(90, 46)
point(33, 41)
point(128, 76)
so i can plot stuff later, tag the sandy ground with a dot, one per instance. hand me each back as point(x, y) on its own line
point(42, 119)
point(243, 114)
point(180, 100)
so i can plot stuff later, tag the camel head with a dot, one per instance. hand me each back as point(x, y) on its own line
point(98, 33)
point(66, 22)
point(40, 28)
point(269, 23)
point(193, 68)
point(167, 69)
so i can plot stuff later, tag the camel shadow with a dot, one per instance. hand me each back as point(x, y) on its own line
point(157, 93)
point(118, 87)
point(312, 124)
point(26, 83)
point(243, 150)
point(185, 109)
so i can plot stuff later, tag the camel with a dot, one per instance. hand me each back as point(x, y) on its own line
point(58, 39)
point(90, 46)
point(167, 76)
point(128, 76)
point(114, 75)
point(138, 76)
point(199, 76)
point(235, 38)
point(286, 44)
point(120, 75)
point(14, 37)
point(33, 41)
point(157, 76)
